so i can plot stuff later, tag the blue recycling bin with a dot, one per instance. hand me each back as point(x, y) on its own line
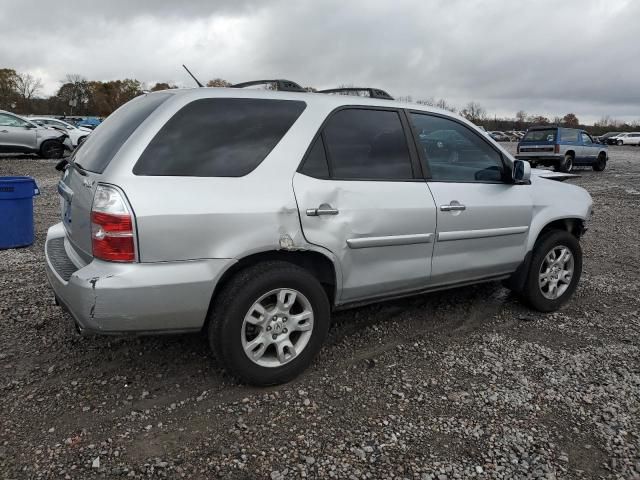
point(16, 211)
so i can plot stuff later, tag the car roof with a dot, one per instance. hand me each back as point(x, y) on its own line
point(310, 98)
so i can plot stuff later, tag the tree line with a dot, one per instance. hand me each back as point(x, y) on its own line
point(78, 96)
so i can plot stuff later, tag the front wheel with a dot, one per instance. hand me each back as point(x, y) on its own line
point(556, 266)
point(269, 322)
point(601, 163)
point(619, 143)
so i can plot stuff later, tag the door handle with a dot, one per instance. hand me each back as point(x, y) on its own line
point(4, 131)
point(324, 209)
point(452, 207)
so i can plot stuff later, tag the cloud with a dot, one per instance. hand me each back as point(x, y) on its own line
point(542, 56)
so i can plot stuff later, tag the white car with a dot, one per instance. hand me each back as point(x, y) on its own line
point(628, 138)
point(77, 135)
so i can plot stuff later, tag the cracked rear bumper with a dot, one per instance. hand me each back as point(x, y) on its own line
point(141, 298)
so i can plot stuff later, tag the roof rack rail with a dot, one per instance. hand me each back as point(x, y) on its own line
point(373, 92)
point(280, 84)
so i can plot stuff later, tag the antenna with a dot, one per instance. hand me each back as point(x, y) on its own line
point(192, 75)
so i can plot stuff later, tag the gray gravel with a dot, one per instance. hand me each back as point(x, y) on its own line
point(460, 384)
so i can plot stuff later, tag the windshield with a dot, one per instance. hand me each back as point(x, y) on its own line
point(544, 135)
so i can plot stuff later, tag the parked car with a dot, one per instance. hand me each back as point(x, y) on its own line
point(253, 214)
point(607, 138)
point(628, 138)
point(91, 123)
point(19, 135)
point(562, 148)
point(76, 134)
point(500, 136)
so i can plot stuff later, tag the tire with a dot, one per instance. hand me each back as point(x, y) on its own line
point(539, 296)
point(52, 149)
point(566, 164)
point(230, 334)
point(619, 143)
point(601, 163)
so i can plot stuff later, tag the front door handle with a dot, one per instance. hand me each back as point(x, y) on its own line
point(324, 209)
point(454, 206)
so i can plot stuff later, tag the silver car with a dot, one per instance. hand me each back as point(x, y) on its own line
point(19, 135)
point(251, 215)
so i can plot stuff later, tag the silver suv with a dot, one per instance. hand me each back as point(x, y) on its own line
point(252, 214)
point(18, 135)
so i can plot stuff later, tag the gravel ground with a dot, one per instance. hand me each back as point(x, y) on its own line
point(461, 384)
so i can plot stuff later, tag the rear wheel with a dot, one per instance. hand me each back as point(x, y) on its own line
point(566, 164)
point(601, 163)
point(52, 149)
point(556, 265)
point(269, 322)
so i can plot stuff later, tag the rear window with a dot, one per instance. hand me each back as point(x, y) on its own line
point(105, 141)
point(218, 137)
point(545, 135)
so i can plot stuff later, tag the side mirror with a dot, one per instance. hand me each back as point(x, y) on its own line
point(29, 126)
point(521, 171)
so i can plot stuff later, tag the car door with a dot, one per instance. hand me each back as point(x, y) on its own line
point(589, 149)
point(16, 135)
point(483, 219)
point(361, 196)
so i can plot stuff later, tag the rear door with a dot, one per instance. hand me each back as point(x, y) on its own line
point(361, 196)
point(483, 219)
point(16, 135)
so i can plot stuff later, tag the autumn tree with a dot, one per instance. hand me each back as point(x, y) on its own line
point(570, 120)
point(8, 91)
point(162, 86)
point(27, 86)
point(218, 82)
point(539, 120)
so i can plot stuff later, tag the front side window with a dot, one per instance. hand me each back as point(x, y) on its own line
point(11, 121)
point(367, 144)
point(218, 137)
point(586, 139)
point(454, 152)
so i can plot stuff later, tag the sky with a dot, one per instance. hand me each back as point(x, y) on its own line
point(547, 57)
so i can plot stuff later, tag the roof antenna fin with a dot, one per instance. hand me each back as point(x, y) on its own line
point(192, 75)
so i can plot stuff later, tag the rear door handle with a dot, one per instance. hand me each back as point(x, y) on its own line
point(454, 206)
point(324, 209)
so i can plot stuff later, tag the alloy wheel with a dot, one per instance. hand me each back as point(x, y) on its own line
point(556, 272)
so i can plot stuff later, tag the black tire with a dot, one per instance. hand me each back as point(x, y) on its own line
point(619, 143)
point(532, 292)
point(233, 303)
point(533, 164)
point(566, 164)
point(601, 163)
point(52, 149)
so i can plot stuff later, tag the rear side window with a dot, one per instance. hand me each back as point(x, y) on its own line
point(218, 137)
point(367, 144)
point(567, 135)
point(545, 135)
point(103, 144)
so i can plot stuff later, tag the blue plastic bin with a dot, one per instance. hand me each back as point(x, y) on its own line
point(16, 211)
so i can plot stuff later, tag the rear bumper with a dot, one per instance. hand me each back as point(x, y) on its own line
point(119, 298)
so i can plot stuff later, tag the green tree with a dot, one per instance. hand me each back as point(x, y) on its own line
point(8, 88)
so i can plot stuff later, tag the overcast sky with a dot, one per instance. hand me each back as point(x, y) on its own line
point(544, 56)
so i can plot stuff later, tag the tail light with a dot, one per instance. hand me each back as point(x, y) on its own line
point(112, 236)
point(556, 148)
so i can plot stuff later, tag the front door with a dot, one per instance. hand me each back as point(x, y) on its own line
point(483, 219)
point(589, 149)
point(361, 197)
point(16, 135)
